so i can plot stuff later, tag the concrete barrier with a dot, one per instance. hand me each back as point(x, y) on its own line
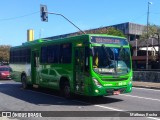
point(146, 76)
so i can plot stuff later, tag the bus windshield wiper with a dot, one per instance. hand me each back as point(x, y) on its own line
point(121, 49)
point(107, 53)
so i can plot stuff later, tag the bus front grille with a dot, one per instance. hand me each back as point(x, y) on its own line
point(114, 79)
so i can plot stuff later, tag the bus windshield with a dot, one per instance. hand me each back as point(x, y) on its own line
point(111, 60)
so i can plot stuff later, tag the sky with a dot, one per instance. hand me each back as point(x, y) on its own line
point(17, 16)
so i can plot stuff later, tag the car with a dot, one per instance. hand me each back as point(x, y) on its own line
point(5, 72)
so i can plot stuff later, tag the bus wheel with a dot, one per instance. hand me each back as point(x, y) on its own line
point(24, 81)
point(66, 90)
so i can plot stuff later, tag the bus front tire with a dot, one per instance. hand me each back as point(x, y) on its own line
point(24, 82)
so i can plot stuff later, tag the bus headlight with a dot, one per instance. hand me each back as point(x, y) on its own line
point(97, 83)
point(130, 82)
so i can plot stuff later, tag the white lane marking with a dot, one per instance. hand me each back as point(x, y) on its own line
point(146, 89)
point(140, 97)
point(105, 107)
point(115, 109)
point(110, 108)
point(153, 118)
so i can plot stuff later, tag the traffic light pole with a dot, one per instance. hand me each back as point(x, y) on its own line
point(44, 16)
point(67, 20)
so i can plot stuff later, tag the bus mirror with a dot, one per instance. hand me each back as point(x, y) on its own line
point(91, 51)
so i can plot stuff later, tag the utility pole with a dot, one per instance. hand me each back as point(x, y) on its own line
point(136, 48)
point(149, 3)
point(158, 50)
point(158, 39)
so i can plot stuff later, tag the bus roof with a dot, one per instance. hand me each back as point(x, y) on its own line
point(42, 41)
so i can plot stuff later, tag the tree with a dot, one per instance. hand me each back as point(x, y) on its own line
point(109, 31)
point(153, 33)
point(4, 53)
point(113, 31)
point(152, 29)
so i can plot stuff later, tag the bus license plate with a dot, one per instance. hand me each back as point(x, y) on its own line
point(116, 92)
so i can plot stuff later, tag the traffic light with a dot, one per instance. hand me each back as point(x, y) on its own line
point(44, 13)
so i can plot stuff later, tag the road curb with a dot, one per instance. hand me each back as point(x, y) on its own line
point(157, 88)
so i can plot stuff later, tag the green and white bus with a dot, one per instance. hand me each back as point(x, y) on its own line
point(90, 65)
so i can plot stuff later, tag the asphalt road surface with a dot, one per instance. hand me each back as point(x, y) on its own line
point(19, 101)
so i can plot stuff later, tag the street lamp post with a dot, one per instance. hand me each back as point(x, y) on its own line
point(149, 3)
point(136, 48)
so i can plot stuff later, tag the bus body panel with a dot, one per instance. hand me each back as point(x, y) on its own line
point(18, 69)
point(78, 71)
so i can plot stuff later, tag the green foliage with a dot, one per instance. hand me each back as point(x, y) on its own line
point(4, 53)
point(113, 31)
point(152, 30)
point(109, 31)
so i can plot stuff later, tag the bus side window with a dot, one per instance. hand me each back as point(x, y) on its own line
point(66, 53)
point(44, 57)
point(82, 60)
point(36, 60)
point(86, 59)
point(76, 57)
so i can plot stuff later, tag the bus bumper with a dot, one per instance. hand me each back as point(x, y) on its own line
point(105, 91)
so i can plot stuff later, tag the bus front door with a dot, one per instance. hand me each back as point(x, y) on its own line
point(35, 67)
point(79, 70)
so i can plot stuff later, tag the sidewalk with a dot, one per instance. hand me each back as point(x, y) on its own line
point(150, 85)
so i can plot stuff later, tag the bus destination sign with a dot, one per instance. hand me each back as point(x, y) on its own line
point(108, 40)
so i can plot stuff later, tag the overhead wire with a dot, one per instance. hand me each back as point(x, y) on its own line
point(26, 15)
point(18, 17)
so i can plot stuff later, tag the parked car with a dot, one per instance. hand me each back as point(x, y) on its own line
point(5, 72)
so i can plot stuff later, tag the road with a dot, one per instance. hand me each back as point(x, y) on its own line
point(14, 98)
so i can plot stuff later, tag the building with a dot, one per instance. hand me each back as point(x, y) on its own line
point(131, 30)
point(139, 55)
